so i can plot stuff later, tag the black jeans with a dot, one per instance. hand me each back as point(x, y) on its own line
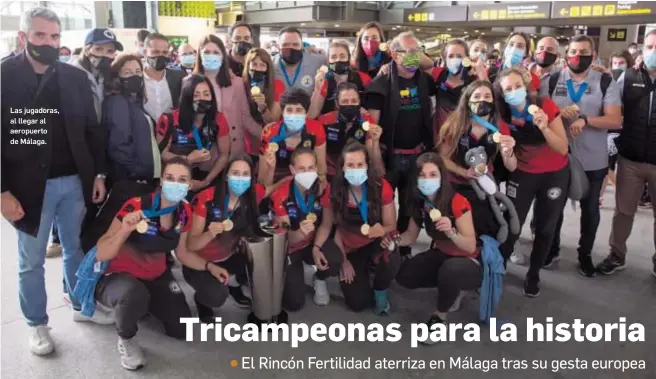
point(209, 291)
point(399, 175)
point(358, 294)
point(133, 298)
point(449, 274)
point(550, 193)
point(590, 216)
point(293, 297)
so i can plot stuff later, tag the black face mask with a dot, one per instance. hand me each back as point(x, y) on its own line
point(241, 48)
point(158, 63)
point(132, 84)
point(258, 76)
point(44, 54)
point(579, 63)
point(289, 55)
point(481, 108)
point(348, 113)
point(202, 106)
point(339, 68)
point(545, 59)
point(102, 64)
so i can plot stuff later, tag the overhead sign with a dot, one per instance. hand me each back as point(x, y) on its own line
point(509, 11)
point(435, 14)
point(617, 35)
point(579, 9)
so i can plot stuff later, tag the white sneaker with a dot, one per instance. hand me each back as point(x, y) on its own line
point(132, 357)
point(321, 295)
point(518, 258)
point(456, 304)
point(99, 317)
point(53, 250)
point(40, 341)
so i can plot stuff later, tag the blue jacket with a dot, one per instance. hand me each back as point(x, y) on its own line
point(493, 271)
point(88, 274)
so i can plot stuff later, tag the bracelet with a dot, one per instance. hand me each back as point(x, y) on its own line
point(318, 247)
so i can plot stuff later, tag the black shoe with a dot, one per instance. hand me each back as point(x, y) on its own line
point(609, 265)
point(586, 267)
point(551, 260)
point(205, 314)
point(531, 287)
point(435, 319)
point(239, 297)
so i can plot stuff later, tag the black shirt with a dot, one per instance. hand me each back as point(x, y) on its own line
point(236, 67)
point(62, 162)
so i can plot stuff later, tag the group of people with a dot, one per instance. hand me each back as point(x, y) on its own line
point(142, 160)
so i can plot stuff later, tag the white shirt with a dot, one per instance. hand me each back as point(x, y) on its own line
point(158, 96)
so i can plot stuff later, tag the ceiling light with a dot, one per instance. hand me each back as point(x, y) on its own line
point(466, 32)
point(303, 24)
point(398, 26)
point(476, 31)
point(418, 29)
point(337, 25)
point(483, 33)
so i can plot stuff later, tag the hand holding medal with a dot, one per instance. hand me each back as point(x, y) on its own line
point(215, 228)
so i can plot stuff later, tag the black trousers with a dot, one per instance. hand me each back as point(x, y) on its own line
point(549, 190)
point(133, 298)
point(449, 274)
point(358, 294)
point(209, 291)
point(293, 298)
point(399, 175)
point(590, 216)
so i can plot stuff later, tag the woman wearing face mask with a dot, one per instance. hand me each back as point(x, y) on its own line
point(452, 264)
point(518, 48)
point(478, 51)
point(281, 138)
point(368, 57)
point(303, 204)
point(263, 91)
point(223, 214)
point(542, 172)
point(230, 98)
point(137, 280)
point(364, 209)
point(339, 71)
point(347, 123)
point(474, 123)
point(197, 132)
point(619, 62)
point(64, 54)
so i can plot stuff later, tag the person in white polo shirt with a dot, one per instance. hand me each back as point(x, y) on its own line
point(295, 66)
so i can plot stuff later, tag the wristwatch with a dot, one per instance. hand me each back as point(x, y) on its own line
point(101, 176)
point(584, 118)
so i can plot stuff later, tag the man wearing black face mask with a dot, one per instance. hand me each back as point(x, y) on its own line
point(294, 66)
point(163, 86)
point(339, 71)
point(51, 168)
point(241, 41)
point(590, 105)
point(546, 56)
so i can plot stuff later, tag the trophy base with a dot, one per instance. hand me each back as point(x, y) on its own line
point(281, 318)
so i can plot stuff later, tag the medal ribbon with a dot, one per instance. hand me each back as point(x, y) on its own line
point(362, 204)
point(576, 95)
point(199, 144)
point(306, 207)
point(154, 212)
point(284, 72)
point(523, 115)
point(225, 207)
point(483, 122)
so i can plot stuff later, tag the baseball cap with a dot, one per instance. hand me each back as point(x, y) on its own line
point(100, 36)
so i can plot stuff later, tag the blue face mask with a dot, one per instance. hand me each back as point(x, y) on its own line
point(174, 192)
point(239, 184)
point(513, 56)
point(294, 122)
point(355, 176)
point(454, 65)
point(482, 56)
point(188, 60)
point(64, 58)
point(428, 187)
point(649, 58)
point(212, 62)
point(515, 97)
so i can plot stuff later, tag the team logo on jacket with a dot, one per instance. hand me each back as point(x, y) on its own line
point(359, 133)
point(307, 143)
point(175, 287)
point(554, 193)
point(307, 80)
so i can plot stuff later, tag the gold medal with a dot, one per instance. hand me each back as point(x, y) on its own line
point(311, 217)
point(481, 168)
point(435, 214)
point(496, 137)
point(142, 226)
point(365, 229)
point(532, 109)
point(383, 46)
point(273, 147)
point(365, 126)
point(575, 107)
point(255, 91)
point(228, 225)
point(466, 62)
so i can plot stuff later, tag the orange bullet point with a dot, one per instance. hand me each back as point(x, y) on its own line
point(234, 363)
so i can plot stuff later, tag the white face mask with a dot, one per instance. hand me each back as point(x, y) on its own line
point(306, 179)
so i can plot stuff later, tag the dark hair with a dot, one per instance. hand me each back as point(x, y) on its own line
point(582, 38)
point(314, 190)
point(182, 161)
point(633, 44)
point(290, 29)
point(503, 107)
point(527, 48)
point(295, 96)
point(269, 91)
point(142, 34)
point(340, 186)
point(455, 42)
point(624, 54)
point(64, 48)
point(113, 85)
point(187, 114)
point(248, 200)
point(155, 37)
point(346, 86)
point(414, 198)
point(239, 24)
point(77, 51)
point(359, 57)
point(223, 76)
